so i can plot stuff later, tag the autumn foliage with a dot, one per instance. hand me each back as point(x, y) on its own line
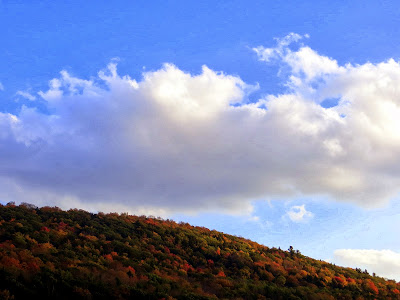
point(54, 254)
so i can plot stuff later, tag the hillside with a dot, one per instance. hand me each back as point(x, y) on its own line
point(75, 254)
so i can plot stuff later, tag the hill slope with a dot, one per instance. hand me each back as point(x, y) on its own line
point(59, 254)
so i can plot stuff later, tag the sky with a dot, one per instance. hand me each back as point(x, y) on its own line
point(278, 121)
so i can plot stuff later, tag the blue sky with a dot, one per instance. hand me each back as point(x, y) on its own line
point(273, 120)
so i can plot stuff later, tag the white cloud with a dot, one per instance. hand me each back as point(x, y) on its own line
point(385, 263)
point(268, 54)
point(1, 87)
point(299, 214)
point(254, 218)
point(174, 141)
point(26, 95)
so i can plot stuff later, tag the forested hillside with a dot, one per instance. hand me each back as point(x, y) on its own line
point(55, 254)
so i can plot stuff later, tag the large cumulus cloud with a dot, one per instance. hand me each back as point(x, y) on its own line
point(175, 141)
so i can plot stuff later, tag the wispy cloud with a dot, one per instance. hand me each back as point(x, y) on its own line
point(385, 263)
point(192, 142)
point(299, 214)
point(281, 49)
point(1, 87)
point(26, 95)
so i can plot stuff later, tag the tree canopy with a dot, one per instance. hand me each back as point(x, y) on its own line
point(54, 254)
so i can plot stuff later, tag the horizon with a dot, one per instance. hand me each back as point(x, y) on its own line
point(278, 122)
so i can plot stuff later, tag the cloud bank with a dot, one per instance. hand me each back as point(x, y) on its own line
point(385, 263)
point(175, 141)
